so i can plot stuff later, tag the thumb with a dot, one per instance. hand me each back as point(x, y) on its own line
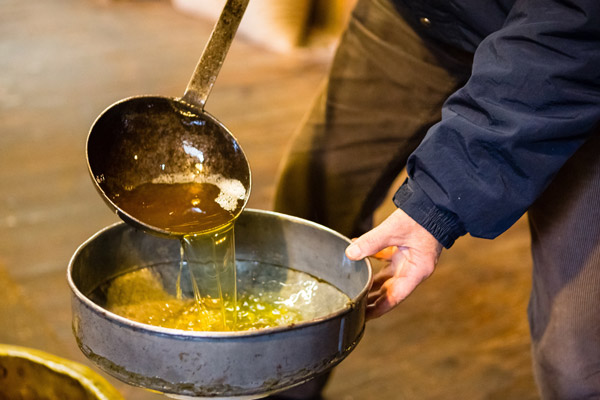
point(367, 244)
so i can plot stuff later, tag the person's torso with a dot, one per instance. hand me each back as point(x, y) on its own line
point(461, 23)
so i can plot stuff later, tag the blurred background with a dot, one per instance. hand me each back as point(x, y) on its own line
point(463, 334)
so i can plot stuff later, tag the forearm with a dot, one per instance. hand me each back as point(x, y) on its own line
point(533, 99)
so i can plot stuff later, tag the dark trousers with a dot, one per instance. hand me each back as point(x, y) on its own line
point(385, 89)
point(564, 309)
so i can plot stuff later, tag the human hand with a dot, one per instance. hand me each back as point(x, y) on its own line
point(412, 251)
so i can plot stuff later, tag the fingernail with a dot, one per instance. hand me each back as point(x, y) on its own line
point(353, 251)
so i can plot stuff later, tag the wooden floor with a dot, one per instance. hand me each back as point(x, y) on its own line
point(463, 334)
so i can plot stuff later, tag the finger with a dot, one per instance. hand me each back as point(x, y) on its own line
point(373, 295)
point(391, 293)
point(379, 307)
point(369, 243)
point(381, 277)
point(387, 253)
point(388, 272)
point(395, 268)
point(382, 300)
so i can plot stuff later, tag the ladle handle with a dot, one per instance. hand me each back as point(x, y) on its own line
point(214, 53)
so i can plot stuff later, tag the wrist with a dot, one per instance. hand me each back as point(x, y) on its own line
point(442, 224)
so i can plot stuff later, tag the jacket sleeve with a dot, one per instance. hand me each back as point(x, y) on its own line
point(532, 100)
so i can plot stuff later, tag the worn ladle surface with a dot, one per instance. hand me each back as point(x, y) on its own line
point(143, 139)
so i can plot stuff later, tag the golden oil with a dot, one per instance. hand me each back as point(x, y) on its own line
point(181, 208)
point(140, 296)
point(268, 296)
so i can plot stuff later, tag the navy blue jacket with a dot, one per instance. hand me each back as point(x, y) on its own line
point(531, 102)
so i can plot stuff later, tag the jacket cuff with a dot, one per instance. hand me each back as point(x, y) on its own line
point(442, 224)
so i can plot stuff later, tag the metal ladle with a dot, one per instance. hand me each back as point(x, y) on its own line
point(141, 138)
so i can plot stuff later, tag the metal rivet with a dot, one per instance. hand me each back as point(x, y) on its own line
point(425, 21)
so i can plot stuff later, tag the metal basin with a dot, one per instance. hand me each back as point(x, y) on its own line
point(29, 374)
point(249, 364)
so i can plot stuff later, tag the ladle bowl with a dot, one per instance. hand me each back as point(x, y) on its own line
point(142, 138)
point(146, 138)
point(237, 365)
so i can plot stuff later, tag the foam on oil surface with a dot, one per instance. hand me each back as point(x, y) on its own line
point(231, 190)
